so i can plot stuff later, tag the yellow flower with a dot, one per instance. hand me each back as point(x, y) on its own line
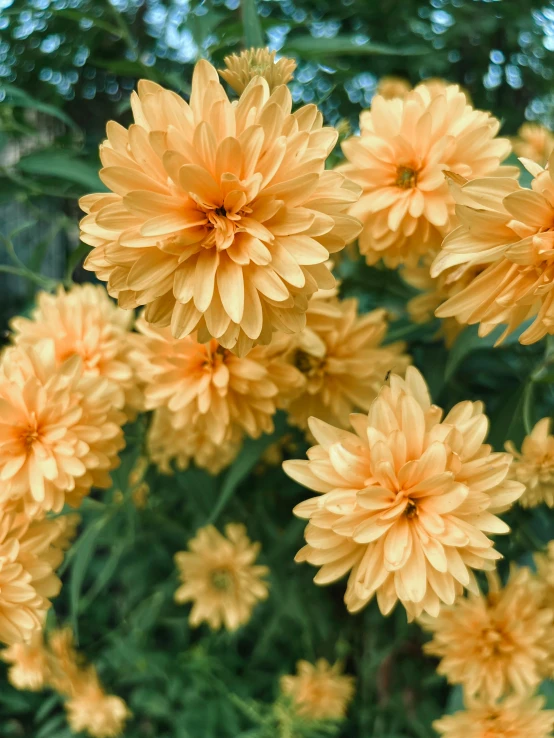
point(209, 390)
point(515, 717)
point(167, 444)
point(60, 429)
point(342, 360)
point(28, 559)
point(219, 577)
point(29, 664)
point(93, 711)
point(399, 159)
point(84, 322)
point(221, 216)
point(507, 232)
point(494, 644)
point(391, 87)
point(534, 466)
point(244, 67)
point(406, 500)
point(544, 563)
point(319, 691)
point(67, 669)
point(534, 141)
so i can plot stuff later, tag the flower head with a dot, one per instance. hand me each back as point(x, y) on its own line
point(399, 160)
point(67, 669)
point(221, 216)
point(508, 234)
point(244, 67)
point(319, 691)
point(534, 142)
point(220, 578)
point(515, 717)
point(494, 644)
point(29, 663)
point(391, 87)
point(534, 466)
point(93, 711)
point(60, 429)
point(406, 500)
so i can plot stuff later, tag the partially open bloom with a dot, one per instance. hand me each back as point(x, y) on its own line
point(534, 466)
point(391, 87)
point(208, 389)
point(399, 159)
point(344, 365)
point(507, 232)
point(220, 578)
point(494, 644)
point(60, 429)
point(534, 141)
point(319, 691)
point(514, 717)
point(167, 445)
point(29, 663)
point(84, 322)
point(93, 711)
point(242, 68)
point(220, 216)
point(406, 500)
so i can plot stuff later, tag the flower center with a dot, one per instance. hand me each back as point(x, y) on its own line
point(411, 510)
point(221, 579)
point(308, 364)
point(29, 436)
point(406, 178)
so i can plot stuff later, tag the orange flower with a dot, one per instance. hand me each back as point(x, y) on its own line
point(29, 663)
point(220, 578)
point(535, 142)
point(406, 500)
point(319, 691)
point(399, 160)
point(534, 466)
point(93, 711)
point(60, 430)
point(508, 232)
point(220, 216)
point(244, 67)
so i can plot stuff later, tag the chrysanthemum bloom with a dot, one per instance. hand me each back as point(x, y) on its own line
point(534, 466)
point(93, 711)
point(514, 717)
point(508, 232)
point(60, 429)
point(399, 159)
point(209, 389)
point(29, 664)
point(220, 578)
point(244, 67)
point(167, 445)
point(319, 691)
point(406, 500)
point(391, 87)
point(27, 579)
point(84, 322)
point(494, 644)
point(342, 360)
point(220, 216)
point(534, 141)
point(67, 669)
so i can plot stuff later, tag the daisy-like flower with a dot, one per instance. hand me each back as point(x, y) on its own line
point(208, 389)
point(244, 67)
point(167, 445)
point(508, 233)
point(93, 711)
point(495, 644)
point(60, 429)
point(29, 664)
point(406, 500)
point(319, 691)
point(534, 466)
point(84, 322)
point(399, 159)
point(221, 215)
point(391, 87)
point(342, 360)
point(514, 717)
point(220, 578)
point(534, 141)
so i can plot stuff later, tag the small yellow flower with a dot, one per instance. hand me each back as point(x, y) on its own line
point(93, 711)
point(29, 664)
point(391, 87)
point(243, 67)
point(220, 578)
point(534, 466)
point(534, 141)
point(319, 691)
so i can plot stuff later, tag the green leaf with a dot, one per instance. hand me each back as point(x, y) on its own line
point(346, 46)
point(75, 258)
point(469, 341)
point(46, 708)
point(508, 423)
point(21, 99)
point(253, 33)
point(62, 164)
